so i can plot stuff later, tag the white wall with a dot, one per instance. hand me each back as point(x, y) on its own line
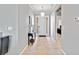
point(23, 20)
point(70, 29)
point(54, 22)
point(8, 17)
point(53, 26)
point(16, 16)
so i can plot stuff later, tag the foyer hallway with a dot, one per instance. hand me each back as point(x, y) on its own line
point(44, 46)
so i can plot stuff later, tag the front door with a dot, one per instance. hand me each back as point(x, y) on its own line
point(42, 25)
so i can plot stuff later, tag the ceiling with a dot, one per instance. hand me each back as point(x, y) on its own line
point(42, 7)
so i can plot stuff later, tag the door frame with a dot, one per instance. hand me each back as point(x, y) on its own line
point(37, 26)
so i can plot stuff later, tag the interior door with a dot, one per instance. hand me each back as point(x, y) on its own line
point(42, 26)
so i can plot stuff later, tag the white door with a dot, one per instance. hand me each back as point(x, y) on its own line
point(42, 26)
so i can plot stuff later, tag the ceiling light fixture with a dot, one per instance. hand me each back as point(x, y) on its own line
point(42, 13)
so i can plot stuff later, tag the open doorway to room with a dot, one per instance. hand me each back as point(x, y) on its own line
point(59, 21)
point(58, 27)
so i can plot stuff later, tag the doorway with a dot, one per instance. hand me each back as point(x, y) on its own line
point(58, 21)
point(42, 25)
